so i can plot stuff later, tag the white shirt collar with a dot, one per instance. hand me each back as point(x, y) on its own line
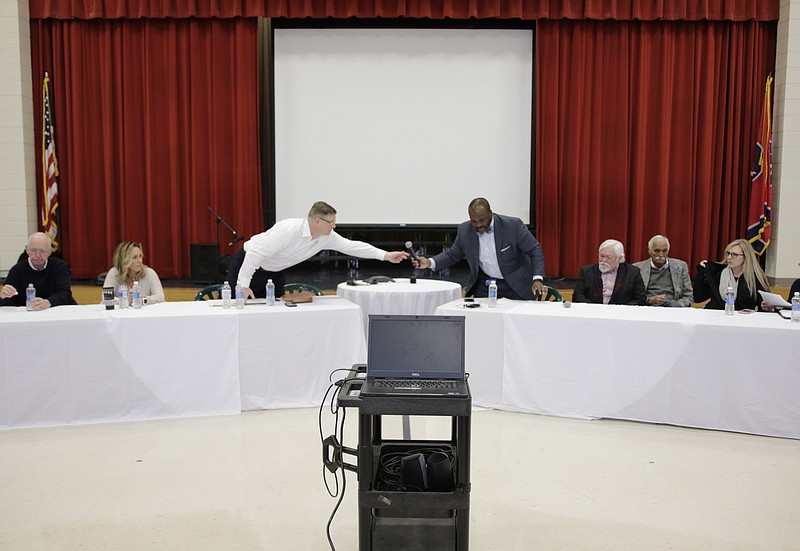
point(666, 265)
point(34, 268)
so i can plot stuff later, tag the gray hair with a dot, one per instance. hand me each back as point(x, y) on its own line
point(619, 248)
point(40, 234)
point(654, 239)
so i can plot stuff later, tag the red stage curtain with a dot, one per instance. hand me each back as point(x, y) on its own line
point(644, 124)
point(623, 10)
point(645, 128)
point(155, 120)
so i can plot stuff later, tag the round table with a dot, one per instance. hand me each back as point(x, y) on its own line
point(400, 296)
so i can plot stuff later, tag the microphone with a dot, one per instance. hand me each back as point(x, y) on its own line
point(236, 239)
point(410, 249)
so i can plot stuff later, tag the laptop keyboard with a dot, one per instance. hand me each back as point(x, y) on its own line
point(416, 383)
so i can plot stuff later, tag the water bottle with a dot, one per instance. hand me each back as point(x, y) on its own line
point(137, 295)
point(796, 307)
point(270, 293)
point(239, 297)
point(492, 294)
point(30, 294)
point(730, 299)
point(226, 295)
point(123, 295)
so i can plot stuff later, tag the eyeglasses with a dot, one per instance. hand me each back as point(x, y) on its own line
point(38, 251)
point(331, 222)
point(607, 256)
point(733, 255)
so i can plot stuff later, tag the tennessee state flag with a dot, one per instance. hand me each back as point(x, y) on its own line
point(49, 204)
point(759, 219)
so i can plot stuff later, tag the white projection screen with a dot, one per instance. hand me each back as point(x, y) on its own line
point(402, 126)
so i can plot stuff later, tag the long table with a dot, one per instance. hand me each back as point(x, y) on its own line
point(687, 366)
point(83, 364)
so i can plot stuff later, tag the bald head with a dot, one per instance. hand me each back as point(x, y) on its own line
point(38, 249)
point(480, 214)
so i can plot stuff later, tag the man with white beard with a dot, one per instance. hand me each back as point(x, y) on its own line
point(611, 280)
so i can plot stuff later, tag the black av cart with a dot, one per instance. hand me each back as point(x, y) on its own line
point(389, 518)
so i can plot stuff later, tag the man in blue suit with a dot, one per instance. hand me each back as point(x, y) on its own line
point(496, 247)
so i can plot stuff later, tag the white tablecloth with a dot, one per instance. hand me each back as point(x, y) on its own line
point(400, 296)
point(83, 364)
point(689, 367)
point(484, 338)
point(287, 354)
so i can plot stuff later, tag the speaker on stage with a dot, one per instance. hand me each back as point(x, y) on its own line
point(204, 262)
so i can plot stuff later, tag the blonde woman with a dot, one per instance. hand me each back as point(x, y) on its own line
point(738, 269)
point(129, 267)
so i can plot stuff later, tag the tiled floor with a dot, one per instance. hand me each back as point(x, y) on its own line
point(254, 482)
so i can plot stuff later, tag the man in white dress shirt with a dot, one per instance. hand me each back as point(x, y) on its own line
point(294, 240)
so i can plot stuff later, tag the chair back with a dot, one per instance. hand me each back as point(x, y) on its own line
point(552, 295)
point(212, 292)
point(302, 287)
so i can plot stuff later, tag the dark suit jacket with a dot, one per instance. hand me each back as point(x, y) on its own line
point(628, 288)
point(519, 254)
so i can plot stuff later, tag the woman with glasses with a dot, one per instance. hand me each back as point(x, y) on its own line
point(129, 267)
point(739, 270)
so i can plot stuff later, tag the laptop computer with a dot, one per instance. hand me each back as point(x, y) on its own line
point(415, 356)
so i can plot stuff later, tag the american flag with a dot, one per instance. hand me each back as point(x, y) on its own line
point(759, 220)
point(50, 170)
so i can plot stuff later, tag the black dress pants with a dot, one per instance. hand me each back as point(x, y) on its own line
point(481, 288)
point(258, 284)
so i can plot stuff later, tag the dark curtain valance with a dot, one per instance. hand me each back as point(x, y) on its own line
point(622, 10)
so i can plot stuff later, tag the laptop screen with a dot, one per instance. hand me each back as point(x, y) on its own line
point(420, 347)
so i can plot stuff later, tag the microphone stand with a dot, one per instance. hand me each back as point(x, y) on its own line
point(235, 239)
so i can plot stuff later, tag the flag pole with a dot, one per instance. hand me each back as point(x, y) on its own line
point(49, 210)
point(759, 219)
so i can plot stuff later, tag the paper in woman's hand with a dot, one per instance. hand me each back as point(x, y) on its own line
point(774, 300)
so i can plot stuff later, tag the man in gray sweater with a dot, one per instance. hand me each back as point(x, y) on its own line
point(666, 279)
